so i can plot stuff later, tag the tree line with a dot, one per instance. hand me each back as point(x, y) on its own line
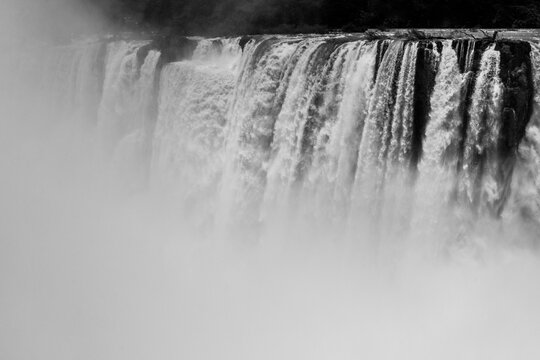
point(234, 17)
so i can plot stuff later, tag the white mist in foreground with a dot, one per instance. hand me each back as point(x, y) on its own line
point(89, 273)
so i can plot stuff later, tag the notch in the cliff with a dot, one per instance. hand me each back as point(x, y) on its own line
point(174, 47)
point(516, 75)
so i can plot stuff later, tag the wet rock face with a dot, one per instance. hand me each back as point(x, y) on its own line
point(465, 50)
point(426, 69)
point(516, 75)
point(244, 40)
point(174, 48)
point(382, 46)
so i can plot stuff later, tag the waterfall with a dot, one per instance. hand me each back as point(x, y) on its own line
point(479, 183)
point(124, 119)
point(127, 92)
point(526, 184)
point(262, 83)
point(402, 118)
point(438, 169)
point(377, 132)
point(332, 172)
point(441, 146)
point(465, 50)
point(190, 129)
point(72, 83)
point(296, 118)
point(336, 131)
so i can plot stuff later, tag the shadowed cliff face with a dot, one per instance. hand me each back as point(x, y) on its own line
point(516, 74)
point(517, 107)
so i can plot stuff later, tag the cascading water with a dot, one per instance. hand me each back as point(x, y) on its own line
point(438, 168)
point(526, 182)
point(265, 73)
point(73, 83)
point(335, 147)
point(377, 131)
point(336, 150)
point(125, 119)
point(442, 140)
point(296, 119)
point(192, 116)
point(332, 130)
point(480, 162)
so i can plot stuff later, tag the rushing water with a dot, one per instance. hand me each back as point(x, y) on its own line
point(339, 131)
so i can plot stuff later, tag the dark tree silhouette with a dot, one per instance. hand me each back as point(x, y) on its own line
point(217, 17)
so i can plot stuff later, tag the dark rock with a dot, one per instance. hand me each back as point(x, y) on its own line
point(175, 48)
point(516, 75)
point(423, 87)
point(244, 40)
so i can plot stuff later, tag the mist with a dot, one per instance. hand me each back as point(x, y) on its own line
point(101, 262)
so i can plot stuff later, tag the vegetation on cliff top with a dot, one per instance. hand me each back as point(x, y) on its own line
point(226, 17)
point(66, 18)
